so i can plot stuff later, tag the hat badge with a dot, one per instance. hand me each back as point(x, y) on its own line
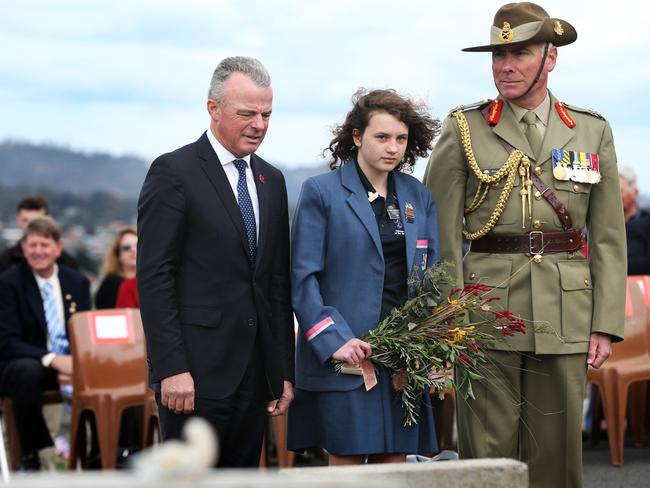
point(507, 34)
point(557, 28)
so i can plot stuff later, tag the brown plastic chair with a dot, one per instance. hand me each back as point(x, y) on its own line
point(637, 405)
point(629, 363)
point(13, 439)
point(286, 459)
point(109, 375)
point(151, 420)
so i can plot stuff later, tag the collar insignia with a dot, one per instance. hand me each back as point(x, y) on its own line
point(494, 113)
point(564, 115)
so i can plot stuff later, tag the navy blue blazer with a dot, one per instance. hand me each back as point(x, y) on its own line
point(337, 268)
point(23, 330)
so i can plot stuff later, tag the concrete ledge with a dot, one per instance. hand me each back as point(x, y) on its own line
point(471, 473)
point(215, 479)
point(476, 473)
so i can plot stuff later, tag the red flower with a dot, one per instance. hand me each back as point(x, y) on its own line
point(262, 179)
point(472, 345)
point(517, 326)
point(476, 287)
point(465, 359)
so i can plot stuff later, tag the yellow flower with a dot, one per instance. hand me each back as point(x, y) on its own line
point(458, 335)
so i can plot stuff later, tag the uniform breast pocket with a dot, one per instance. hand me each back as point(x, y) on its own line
point(575, 197)
point(577, 300)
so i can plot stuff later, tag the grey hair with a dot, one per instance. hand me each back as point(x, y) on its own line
point(251, 67)
point(628, 175)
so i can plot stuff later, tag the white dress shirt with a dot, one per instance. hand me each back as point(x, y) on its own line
point(226, 158)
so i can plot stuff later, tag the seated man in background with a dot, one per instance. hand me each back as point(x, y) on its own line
point(28, 208)
point(37, 297)
point(637, 224)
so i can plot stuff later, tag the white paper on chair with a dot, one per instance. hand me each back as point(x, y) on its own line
point(111, 327)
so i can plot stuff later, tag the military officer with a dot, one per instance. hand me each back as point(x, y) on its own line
point(521, 177)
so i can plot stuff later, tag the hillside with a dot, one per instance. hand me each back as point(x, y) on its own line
point(34, 167)
point(104, 187)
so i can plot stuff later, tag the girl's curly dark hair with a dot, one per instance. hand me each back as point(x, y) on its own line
point(422, 127)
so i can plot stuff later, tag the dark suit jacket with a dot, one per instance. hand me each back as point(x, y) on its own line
point(202, 303)
point(14, 255)
point(23, 331)
point(637, 231)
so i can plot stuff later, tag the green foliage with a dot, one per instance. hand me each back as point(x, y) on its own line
point(422, 340)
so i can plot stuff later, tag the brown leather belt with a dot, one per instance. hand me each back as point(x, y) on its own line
point(535, 242)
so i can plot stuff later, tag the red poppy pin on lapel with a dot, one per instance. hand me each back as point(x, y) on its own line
point(262, 179)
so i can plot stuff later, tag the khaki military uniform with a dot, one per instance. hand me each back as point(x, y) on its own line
point(534, 410)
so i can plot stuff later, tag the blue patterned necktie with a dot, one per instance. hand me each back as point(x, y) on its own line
point(246, 208)
point(58, 338)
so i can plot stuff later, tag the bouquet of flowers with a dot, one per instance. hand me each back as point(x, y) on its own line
point(429, 334)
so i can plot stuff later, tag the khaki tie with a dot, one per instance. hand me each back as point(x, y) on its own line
point(532, 132)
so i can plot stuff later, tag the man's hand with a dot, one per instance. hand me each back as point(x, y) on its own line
point(353, 352)
point(600, 348)
point(177, 393)
point(64, 379)
point(63, 364)
point(280, 406)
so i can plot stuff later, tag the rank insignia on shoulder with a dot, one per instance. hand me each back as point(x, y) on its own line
point(471, 106)
point(589, 111)
point(595, 114)
point(579, 166)
point(564, 115)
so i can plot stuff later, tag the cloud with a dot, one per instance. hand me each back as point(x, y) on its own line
point(131, 77)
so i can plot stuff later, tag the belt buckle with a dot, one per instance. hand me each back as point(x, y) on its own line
point(530, 242)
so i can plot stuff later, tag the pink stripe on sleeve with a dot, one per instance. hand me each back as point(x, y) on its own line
point(318, 328)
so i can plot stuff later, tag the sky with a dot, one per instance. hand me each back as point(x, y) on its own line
point(131, 77)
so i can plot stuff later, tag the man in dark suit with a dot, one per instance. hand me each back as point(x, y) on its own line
point(637, 224)
point(37, 297)
point(213, 272)
point(27, 209)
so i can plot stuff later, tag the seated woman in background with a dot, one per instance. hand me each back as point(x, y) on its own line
point(127, 296)
point(358, 233)
point(118, 265)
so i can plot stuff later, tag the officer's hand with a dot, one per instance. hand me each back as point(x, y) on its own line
point(177, 393)
point(280, 406)
point(63, 364)
point(600, 348)
point(353, 352)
